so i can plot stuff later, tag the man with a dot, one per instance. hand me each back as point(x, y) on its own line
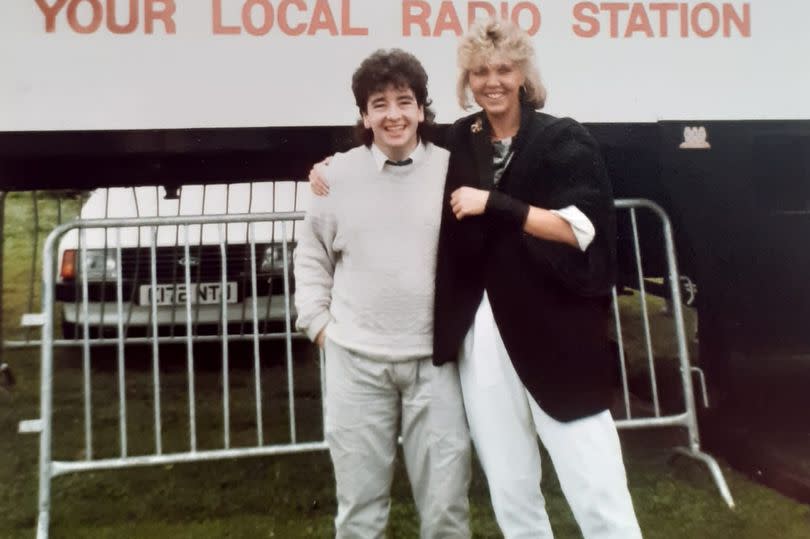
point(364, 268)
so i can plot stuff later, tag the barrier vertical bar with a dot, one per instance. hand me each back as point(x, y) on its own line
point(226, 397)
point(155, 347)
point(622, 361)
point(192, 406)
point(46, 392)
point(256, 361)
point(122, 387)
point(88, 417)
point(288, 333)
point(680, 333)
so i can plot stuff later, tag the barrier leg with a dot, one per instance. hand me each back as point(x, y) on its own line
point(42, 524)
point(714, 469)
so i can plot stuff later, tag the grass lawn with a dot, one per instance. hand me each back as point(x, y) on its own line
point(283, 496)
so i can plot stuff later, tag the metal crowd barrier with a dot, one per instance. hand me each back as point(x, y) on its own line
point(51, 468)
point(686, 419)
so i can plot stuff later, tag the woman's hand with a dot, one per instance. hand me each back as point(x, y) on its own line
point(468, 201)
point(317, 178)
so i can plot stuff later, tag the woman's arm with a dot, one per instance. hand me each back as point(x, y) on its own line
point(538, 222)
point(547, 225)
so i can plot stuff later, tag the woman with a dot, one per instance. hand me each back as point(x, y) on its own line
point(526, 263)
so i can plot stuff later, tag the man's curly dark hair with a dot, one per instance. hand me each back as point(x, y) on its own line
point(392, 67)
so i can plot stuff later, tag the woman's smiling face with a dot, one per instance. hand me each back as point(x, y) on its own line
point(495, 86)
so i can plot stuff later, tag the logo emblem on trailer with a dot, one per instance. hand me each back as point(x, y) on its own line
point(694, 138)
point(190, 261)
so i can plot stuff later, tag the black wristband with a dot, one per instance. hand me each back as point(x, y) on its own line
point(505, 207)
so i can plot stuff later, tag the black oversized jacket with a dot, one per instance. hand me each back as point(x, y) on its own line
point(551, 301)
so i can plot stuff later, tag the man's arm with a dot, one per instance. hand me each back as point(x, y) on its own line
point(318, 183)
point(314, 269)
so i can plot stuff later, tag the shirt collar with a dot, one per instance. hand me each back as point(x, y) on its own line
point(380, 158)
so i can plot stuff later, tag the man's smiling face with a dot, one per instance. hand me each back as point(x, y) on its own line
point(394, 115)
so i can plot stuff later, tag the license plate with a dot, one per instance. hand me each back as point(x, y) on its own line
point(204, 293)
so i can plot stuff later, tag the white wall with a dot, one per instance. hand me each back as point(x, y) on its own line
point(186, 75)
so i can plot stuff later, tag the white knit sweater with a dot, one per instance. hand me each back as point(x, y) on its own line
point(366, 254)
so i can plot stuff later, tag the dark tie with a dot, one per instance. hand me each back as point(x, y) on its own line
point(402, 163)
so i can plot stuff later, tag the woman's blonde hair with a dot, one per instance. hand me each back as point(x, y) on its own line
point(498, 38)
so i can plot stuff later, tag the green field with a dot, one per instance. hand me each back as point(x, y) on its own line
point(283, 496)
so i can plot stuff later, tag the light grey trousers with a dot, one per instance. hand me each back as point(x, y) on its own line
point(367, 403)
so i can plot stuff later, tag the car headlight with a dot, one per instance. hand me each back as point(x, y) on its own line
point(100, 264)
point(274, 257)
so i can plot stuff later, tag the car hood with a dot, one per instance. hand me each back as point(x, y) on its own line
point(217, 199)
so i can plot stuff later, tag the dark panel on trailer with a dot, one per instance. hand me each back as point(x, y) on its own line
point(90, 159)
point(743, 211)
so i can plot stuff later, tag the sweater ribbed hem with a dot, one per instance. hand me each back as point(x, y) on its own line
point(379, 352)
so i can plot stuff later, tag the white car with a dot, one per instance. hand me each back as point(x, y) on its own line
point(203, 262)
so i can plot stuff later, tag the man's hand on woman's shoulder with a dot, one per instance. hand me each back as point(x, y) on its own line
point(317, 178)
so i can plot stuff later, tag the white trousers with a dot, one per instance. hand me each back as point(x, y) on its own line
point(367, 403)
point(505, 421)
